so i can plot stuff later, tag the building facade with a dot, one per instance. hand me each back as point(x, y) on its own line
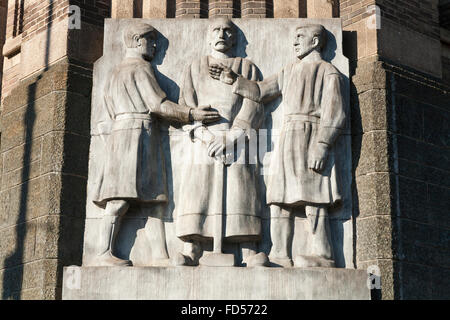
point(399, 53)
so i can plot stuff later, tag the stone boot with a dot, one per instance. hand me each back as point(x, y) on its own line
point(108, 236)
point(302, 261)
point(109, 260)
point(258, 260)
point(281, 262)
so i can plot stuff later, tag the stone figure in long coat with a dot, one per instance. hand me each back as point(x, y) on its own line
point(303, 171)
point(133, 168)
point(213, 189)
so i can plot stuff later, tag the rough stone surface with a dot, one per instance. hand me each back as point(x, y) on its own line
point(44, 172)
point(206, 283)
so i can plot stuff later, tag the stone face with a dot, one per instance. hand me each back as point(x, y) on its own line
point(205, 283)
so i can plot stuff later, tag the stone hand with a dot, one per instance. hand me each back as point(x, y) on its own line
point(319, 157)
point(220, 145)
point(204, 114)
point(223, 73)
point(216, 147)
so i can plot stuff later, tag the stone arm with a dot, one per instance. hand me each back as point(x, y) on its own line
point(104, 116)
point(251, 114)
point(188, 99)
point(333, 117)
point(332, 121)
point(156, 100)
point(249, 117)
point(259, 91)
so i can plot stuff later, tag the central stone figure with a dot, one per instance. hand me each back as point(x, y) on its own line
point(218, 194)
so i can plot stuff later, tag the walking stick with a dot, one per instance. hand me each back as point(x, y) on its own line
point(217, 258)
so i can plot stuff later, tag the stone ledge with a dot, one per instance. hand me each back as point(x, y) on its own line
point(12, 46)
point(208, 283)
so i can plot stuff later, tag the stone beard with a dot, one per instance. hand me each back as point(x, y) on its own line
point(208, 185)
point(218, 201)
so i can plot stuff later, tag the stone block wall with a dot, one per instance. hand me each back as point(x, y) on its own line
point(45, 144)
point(399, 157)
point(420, 152)
point(44, 152)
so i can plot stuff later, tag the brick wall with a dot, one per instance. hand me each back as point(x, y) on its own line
point(421, 167)
point(419, 15)
point(37, 17)
point(191, 9)
point(224, 8)
point(256, 9)
point(444, 13)
point(353, 11)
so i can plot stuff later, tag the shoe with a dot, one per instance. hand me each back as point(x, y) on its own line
point(109, 260)
point(258, 260)
point(313, 262)
point(181, 260)
point(281, 262)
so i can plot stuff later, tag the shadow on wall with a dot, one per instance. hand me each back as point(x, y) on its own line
point(351, 52)
point(13, 275)
point(3, 28)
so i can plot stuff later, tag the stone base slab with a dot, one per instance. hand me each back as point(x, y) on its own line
point(212, 283)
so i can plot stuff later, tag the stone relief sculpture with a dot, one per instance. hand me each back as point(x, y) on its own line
point(134, 169)
point(218, 203)
point(302, 171)
point(219, 197)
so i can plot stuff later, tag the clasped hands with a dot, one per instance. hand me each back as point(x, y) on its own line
point(203, 114)
point(220, 144)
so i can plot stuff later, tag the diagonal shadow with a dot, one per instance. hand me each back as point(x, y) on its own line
point(13, 275)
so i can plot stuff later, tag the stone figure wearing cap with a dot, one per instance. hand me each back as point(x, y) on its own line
point(218, 195)
point(303, 172)
point(133, 169)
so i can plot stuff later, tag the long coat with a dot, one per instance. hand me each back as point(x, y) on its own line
point(313, 112)
point(208, 187)
point(133, 167)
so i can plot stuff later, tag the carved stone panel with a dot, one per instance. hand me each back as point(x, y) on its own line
point(212, 204)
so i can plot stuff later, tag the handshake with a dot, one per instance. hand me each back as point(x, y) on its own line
point(219, 147)
point(203, 114)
